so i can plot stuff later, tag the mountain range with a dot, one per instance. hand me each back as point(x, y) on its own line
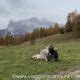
point(2, 32)
point(21, 27)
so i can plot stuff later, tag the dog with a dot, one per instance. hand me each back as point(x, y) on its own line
point(44, 53)
point(47, 54)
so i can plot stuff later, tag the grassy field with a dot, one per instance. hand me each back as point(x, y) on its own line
point(17, 59)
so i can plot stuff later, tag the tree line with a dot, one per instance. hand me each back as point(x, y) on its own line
point(73, 24)
point(31, 36)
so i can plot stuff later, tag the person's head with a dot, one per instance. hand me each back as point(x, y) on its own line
point(51, 46)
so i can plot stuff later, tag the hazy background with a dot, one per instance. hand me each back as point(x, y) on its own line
point(55, 10)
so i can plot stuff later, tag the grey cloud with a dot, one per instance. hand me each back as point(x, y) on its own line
point(14, 4)
point(3, 11)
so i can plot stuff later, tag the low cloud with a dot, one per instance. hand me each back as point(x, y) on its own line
point(23, 9)
point(14, 4)
point(3, 11)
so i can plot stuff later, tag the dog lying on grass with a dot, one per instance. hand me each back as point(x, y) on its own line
point(45, 54)
point(42, 55)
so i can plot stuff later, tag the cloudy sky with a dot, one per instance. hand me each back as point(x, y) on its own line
point(55, 10)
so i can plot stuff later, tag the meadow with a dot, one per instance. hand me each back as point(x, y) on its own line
point(16, 59)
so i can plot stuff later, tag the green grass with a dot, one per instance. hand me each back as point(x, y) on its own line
point(17, 59)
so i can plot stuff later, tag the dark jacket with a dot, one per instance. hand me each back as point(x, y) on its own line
point(54, 53)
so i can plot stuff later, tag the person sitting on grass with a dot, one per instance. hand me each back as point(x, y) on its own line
point(53, 52)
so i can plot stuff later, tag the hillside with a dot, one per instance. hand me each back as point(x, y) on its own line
point(17, 59)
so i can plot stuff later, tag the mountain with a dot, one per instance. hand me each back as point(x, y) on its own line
point(2, 32)
point(23, 26)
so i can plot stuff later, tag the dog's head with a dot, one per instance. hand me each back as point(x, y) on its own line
point(33, 56)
